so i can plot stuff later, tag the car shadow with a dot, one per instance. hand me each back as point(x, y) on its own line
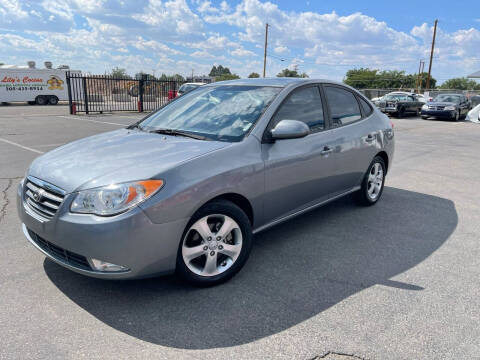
point(296, 270)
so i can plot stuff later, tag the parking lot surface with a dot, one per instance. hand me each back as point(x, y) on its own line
point(399, 280)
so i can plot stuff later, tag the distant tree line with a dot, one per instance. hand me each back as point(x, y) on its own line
point(365, 78)
point(362, 78)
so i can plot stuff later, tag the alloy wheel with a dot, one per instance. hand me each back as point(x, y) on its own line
point(212, 245)
point(375, 181)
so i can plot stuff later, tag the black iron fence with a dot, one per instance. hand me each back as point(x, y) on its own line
point(104, 93)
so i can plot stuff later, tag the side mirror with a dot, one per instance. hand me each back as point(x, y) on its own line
point(290, 129)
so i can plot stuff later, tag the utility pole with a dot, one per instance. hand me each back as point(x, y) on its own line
point(418, 83)
point(265, 50)
point(431, 54)
point(192, 75)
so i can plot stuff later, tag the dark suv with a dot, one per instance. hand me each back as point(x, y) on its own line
point(447, 106)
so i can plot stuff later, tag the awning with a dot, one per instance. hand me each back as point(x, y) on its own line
point(474, 75)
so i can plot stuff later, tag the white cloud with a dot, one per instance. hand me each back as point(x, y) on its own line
point(170, 17)
point(58, 8)
point(178, 34)
point(11, 9)
point(242, 52)
point(206, 7)
point(280, 49)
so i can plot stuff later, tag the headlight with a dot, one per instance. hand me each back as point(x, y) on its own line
point(114, 199)
point(425, 107)
point(449, 108)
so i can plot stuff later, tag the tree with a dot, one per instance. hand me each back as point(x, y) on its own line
point(254, 75)
point(178, 77)
point(227, 77)
point(360, 78)
point(291, 73)
point(219, 70)
point(365, 78)
point(460, 84)
point(119, 73)
point(144, 75)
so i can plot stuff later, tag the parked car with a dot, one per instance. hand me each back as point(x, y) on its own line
point(447, 106)
point(400, 104)
point(474, 114)
point(185, 88)
point(186, 188)
point(475, 100)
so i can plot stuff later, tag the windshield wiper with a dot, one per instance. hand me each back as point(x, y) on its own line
point(178, 133)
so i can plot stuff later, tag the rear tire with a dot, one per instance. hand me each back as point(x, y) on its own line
point(53, 100)
point(220, 249)
point(41, 100)
point(373, 183)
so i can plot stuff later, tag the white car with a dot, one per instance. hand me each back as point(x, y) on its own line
point(474, 114)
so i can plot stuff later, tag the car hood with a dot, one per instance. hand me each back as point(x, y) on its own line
point(442, 103)
point(118, 156)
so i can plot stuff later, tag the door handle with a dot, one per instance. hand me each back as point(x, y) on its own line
point(326, 150)
point(370, 138)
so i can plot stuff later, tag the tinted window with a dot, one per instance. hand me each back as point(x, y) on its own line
point(367, 110)
point(303, 105)
point(343, 106)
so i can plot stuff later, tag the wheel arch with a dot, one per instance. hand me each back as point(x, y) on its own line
point(241, 201)
point(384, 156)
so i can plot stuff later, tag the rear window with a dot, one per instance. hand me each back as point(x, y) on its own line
point(367, 109)
point(344, 107)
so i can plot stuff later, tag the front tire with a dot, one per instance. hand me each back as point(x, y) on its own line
point(401, 112)
point(456, 117)
point(373, 183)
point(215, 245)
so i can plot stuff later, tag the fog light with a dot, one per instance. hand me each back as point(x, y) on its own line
point(100, 265)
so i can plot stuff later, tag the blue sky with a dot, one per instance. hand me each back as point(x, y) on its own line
point(322, 38)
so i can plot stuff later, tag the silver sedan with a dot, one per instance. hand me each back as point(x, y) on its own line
point(186, 188)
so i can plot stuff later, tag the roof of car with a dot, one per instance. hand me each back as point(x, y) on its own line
point(277, 81)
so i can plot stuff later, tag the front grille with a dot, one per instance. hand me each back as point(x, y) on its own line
point(432, 107)
point(57, 252)
point(44, 199)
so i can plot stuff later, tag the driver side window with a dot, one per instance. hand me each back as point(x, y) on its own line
point(303, 105)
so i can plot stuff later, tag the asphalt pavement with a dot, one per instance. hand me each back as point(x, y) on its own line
point(399, 280)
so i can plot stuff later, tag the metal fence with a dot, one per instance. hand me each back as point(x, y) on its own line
point(104, 93)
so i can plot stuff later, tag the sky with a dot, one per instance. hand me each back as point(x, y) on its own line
point(323, 38)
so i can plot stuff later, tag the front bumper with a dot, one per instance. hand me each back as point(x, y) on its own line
point(129, 239)
point(390, 110)
point(443, 114)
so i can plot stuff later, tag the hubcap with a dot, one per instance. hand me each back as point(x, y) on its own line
point(212, 245)
point(375, 181)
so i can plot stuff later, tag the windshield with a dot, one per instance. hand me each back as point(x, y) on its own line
point(398, 97)
point(447, 98)
point(223, 112)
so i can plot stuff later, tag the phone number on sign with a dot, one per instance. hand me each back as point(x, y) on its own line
point(23, 88)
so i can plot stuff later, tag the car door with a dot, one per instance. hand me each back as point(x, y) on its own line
point(298, 171)
point(353, 136)
point(412, 104)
